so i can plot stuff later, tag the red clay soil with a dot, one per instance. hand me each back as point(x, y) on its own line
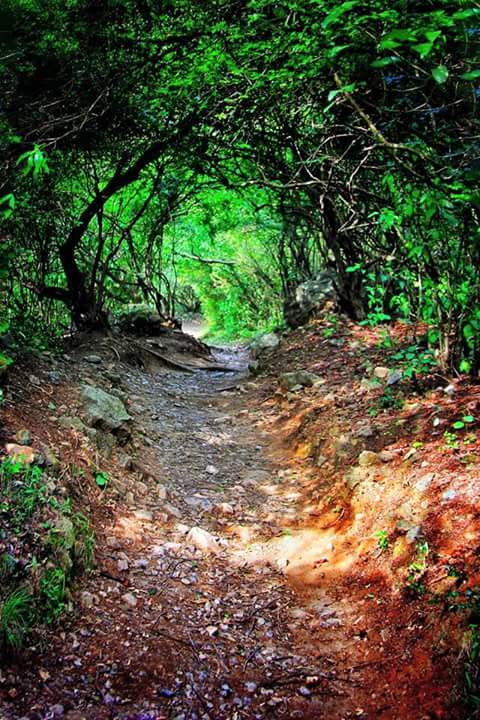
point(298, 611)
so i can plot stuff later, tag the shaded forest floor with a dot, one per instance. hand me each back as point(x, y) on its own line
point(334, 534)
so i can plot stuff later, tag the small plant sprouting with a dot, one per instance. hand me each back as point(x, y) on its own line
point(451, 440)
point(84, 541)
point(53, 588)
point(388, 399)
point(382, 539)
point(415, 360)
point(332, 328)
point(417, 569)
point(101, 478)
point(466, 420)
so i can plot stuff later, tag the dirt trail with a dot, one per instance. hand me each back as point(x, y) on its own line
point(170, 631)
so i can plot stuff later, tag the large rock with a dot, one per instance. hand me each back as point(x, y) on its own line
point(368, 458)
point(102, 409)
point(141, 319)
point(71, 423)
point(23, 437)
point(269, 341)
point(310, 297)
point(203, 540)
point(20, 453)
point(290, 380)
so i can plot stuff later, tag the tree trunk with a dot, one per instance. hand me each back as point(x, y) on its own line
point(86, 314)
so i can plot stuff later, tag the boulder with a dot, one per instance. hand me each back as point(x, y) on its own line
point(310, 297)
point(344, 446)
point(357, 475)
point(48, 456)
point(368, 458)
point(366, 431)
point(387, 456)
point(93, 359)
point(424, 482)
point(104, 441)
point(269, 341)
point(381, 372)
point(20, 453)
point(301, 378)
point(141, 319)
point(394, 377)
point(224, 508)
point(203, 540)
point(23, 437)
point(71, 423)
point(125, 461)
point(102, 409)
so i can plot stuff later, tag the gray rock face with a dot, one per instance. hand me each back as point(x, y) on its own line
point(310, 297)
point(93, 359)
point(368, 458)
point(102, 409)
point(71, 423)
point(269, 341)
point(23, 437)
point(48, 456)
point(300, 378)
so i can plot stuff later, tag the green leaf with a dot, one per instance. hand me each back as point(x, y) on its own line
point(345, 89)
point(9, 201)
point(468, 418)
point(337, 50)
point(470, 75)
point(423, 49)
point(465, 14)
point(440, 74)
point(101, 478)
point(458, 425)
point(403, 35)
point(332, 95)
point(337, 12)
point(433, 35)
point(383, 62)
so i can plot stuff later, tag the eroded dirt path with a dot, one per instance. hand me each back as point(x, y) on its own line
point(195, 634)
point(234, 630)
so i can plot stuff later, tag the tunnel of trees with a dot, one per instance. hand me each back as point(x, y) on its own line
point(191, 154)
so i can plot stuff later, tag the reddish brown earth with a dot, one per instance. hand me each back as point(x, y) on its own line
point(299, 613)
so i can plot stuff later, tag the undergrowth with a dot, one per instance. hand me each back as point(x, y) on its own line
point(44, 546)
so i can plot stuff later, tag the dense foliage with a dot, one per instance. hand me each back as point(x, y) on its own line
point(216, 154)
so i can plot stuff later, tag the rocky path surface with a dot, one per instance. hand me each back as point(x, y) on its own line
point(178, 621)
point(209, 598)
